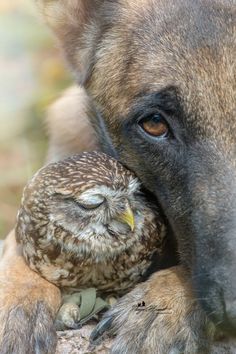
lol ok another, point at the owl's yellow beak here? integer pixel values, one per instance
(127, 217)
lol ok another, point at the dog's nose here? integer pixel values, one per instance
(226, 318)
(219, 302)
(230, 316)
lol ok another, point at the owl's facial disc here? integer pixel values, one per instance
(103, 221)
(113, 206)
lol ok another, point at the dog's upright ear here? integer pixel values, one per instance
(75, 24)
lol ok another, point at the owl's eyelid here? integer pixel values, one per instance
(89, 205)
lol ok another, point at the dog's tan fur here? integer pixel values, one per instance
(72, 135)
(115, 69)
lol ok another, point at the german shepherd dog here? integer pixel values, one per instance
(161, 82)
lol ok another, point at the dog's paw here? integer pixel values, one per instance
(159, 316)
(27, 330)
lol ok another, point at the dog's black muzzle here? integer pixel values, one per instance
(201, 207)
(214, 277)
(212, 230)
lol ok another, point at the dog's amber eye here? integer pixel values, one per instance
(155, 126)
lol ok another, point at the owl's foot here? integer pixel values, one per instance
(79, 308)
(68, 316)
(159, 316)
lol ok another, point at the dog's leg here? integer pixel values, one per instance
(28, 306)
(28, 302)
(159, 316)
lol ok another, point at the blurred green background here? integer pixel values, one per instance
(32, 75)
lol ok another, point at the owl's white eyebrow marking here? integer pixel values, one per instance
(132, 187)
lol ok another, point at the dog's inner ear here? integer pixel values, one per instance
(69, 20)
(60, 13)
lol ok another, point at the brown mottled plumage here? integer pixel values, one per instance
(73, 230)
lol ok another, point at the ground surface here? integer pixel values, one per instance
(77, 342)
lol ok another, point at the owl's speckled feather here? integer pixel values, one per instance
(71, 231)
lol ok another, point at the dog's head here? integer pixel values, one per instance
(162, 75)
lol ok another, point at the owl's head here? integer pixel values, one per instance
(92, 203)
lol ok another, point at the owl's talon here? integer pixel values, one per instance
(68, 317)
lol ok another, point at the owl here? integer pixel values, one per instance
(85, 222)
